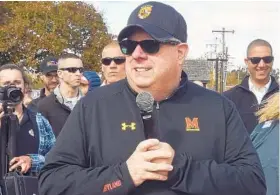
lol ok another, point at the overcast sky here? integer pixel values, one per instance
(249, 20)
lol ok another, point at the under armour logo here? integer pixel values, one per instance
(132, 126)
(31, 132)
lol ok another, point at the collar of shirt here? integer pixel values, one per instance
(259, 91)
(253, 87)
(61, 99)
(103, 83)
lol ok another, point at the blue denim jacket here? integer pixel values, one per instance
(265, 138)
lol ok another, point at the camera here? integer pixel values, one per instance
(11, 94)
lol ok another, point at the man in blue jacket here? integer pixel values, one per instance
(258, 86)
(201, 144)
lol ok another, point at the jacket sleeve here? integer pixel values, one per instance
(47, 140)
(46, 134)
(67, 168)
(37, 162)
(240, 173)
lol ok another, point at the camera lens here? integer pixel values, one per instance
(14, 94)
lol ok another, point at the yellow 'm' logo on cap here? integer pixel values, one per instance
(145, 11)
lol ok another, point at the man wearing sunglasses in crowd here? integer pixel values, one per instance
(200, 144)
(57, 106)
(48, 75)
(257, 86)
(113, 61)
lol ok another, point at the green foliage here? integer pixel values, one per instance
(31, 30)
(35, 81)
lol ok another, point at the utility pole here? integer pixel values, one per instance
(213, 47)
(213, 50)
(217, 60)
(224, 56)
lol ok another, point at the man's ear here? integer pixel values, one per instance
(41, 76)
(183, 50)
(246, 61)
(59, 74)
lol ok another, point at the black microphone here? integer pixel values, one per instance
(145, 102)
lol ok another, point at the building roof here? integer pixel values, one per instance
(197, 70)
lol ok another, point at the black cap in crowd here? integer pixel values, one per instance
(49, 64)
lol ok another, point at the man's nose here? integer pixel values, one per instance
(113, 65)
(138, 53)
(78, 72)
(261, 64)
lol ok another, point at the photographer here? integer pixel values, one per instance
(35, 136)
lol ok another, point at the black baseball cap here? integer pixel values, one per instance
(162, 22)
(49, 64)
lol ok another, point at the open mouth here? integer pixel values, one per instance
(142, 69)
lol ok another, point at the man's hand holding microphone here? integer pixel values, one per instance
(151, 160)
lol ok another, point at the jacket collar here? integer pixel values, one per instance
(42, 93)
(245, 84)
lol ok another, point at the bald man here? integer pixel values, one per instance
(113, 61)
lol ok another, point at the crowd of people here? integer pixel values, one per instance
(205, 143)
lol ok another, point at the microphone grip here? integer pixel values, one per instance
(149, 126)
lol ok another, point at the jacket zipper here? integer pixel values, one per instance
(157, 122)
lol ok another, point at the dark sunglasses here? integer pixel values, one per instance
(266, 59)
(117, 60)
(73, 69)
(148, 46)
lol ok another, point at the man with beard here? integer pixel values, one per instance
(48, 74)
(57, 106)
(35, 137)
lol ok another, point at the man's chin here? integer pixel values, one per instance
(113, 79)
(262, 77)
(143, 84)
(51, 88)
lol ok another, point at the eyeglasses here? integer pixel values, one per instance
(149, 46)
(73, 69)
(51, 75)
(266, 59)
(117, 60)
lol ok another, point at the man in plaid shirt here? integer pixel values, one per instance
(35, 136)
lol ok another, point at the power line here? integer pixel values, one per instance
(224, 55)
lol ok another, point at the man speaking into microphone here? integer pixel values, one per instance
(153, 133)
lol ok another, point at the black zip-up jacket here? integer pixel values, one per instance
(56, 112)
(214, 154)
(247, 103)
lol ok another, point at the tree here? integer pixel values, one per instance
(4, 58)
(33, 30)
(236, 76)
